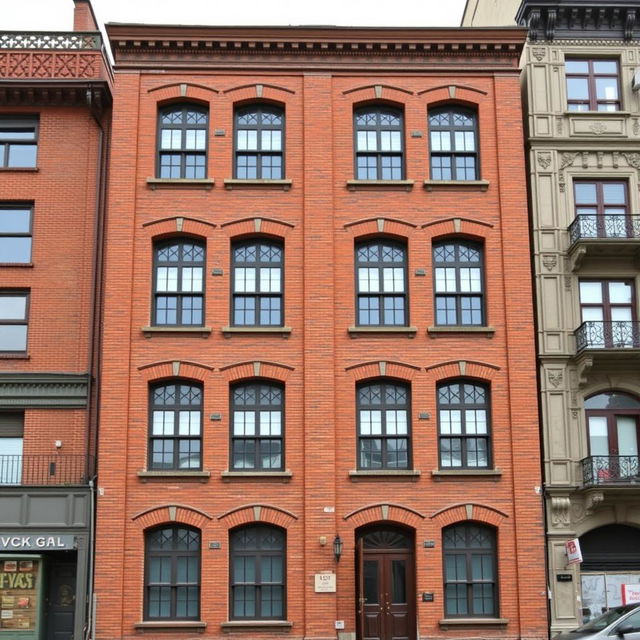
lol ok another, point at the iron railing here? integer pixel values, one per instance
(609, 226)
(50, 40)
(612, 334)
(38, 470)
(605, 470)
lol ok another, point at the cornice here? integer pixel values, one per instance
(43, 390)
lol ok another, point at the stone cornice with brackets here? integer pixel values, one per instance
(43, 390)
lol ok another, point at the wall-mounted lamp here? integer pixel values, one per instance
(337, 548)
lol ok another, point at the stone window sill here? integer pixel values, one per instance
(171, 625)
(443, 330)
(399, 475)
(180, 183)
(598, 114)
(262, 476)
(474, 185)
(16, 264)
(228, 331)
(472, 622)
(440, 474)
(23, 169)
(14, 356)
(400, 185)
(231, 625)
(201, 476)
(149, 331)
(235, 183)
(409, 332)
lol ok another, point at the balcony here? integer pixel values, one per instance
(617, 335)
(611, 471)
(46, 470)
(602, 235)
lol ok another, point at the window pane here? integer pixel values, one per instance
(605, 66)
(591, 292)
(13, 307)
(14, 221)
(606, 88)
(585, 193)
(578, 88)
(15, 250)
(620, 293)
(13, 337)
(22, 155)
(577, 66)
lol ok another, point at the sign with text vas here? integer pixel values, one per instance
(19, 594)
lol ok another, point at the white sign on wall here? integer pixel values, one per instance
(572, 547)
(630, 593)
(325, 583)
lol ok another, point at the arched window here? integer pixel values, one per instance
(459, 283)
(453, 139)
(182, 141)
(257, 283)
(257, 432)
(381, 286)
(379, 153)
(613, 421)
(470, 571)
(178, 297)
(257, 567)
(172, 573)
(463, 425)
(175, 426)
(259, 142)
(384, 428)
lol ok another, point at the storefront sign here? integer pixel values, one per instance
(630, 593)
(574, 555)
(13, 542)
(325, 583)
(18, 594)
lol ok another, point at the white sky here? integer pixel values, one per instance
(57, 15)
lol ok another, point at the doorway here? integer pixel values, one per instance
(61, 600)
(385, 597)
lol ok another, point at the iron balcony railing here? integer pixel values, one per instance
(610, 470)
(39, 470)
(608, 226)
(615, 334)
(69, 40)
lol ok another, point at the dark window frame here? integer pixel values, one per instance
(21, 206)
(13, 293)
(592, 102)
(458, 294)
(257, 295)
(453, 153)
(610, 415)
(258, 554)
(260, 108)
(380, 265)
(464, 437)
(176, 437)
(255, 409)
(173, 554)
(384, 437)
(378, 128)
(183, 151)
(18, 123)
(179, 294)
(467, 551)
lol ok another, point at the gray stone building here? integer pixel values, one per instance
(581, 96)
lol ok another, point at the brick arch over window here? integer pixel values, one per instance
(257, 91)
(383, 92)
(461, 512)
(463, 369)
(381, 226)
(257, 226)
(175, 369)
(256, 369)
(384, 512)
(455, 94)
(183, 91)
(468, 227)
(384, 369)
(250, 513)
(177, 225)
(172, 513)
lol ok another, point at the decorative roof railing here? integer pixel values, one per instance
(75, 40)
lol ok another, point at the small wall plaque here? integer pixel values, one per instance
(427, 596)
(420, 272)
(215, 545)
(217, 272)
(424, 415)
(215, 416)
(219, 132)
(429, 544)
(564, 577)
(416, 134)
(325, 582)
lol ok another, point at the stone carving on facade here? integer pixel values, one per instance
(544, 160)
(577, 512)
(538, 53)
(636, 126)
(51, 64)
(566, 160)
(559, 126)
(574, 413)
(549, 261)
(592, 501)
(555, 377)
(560, 511)
(598, 128)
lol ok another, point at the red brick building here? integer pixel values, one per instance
(318, 411)
(54, 127)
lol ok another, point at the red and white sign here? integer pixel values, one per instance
(572, 547)
(630, 593)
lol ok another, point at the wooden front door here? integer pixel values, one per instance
(386, 585)
(61, 601)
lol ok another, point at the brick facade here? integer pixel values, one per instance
(318, 76)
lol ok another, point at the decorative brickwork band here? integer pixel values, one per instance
(33, 40)
(389, 369)
(464, 368)
(178, 224)
(258, 513)
(387, 226)
(457, 226)
(265, 226)
(256, 369)
(384, 511)
(48, 65)
(468, 511)
(171, 513)
(174, 369)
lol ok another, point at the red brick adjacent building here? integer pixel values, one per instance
(318, 406)
(55, 100)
